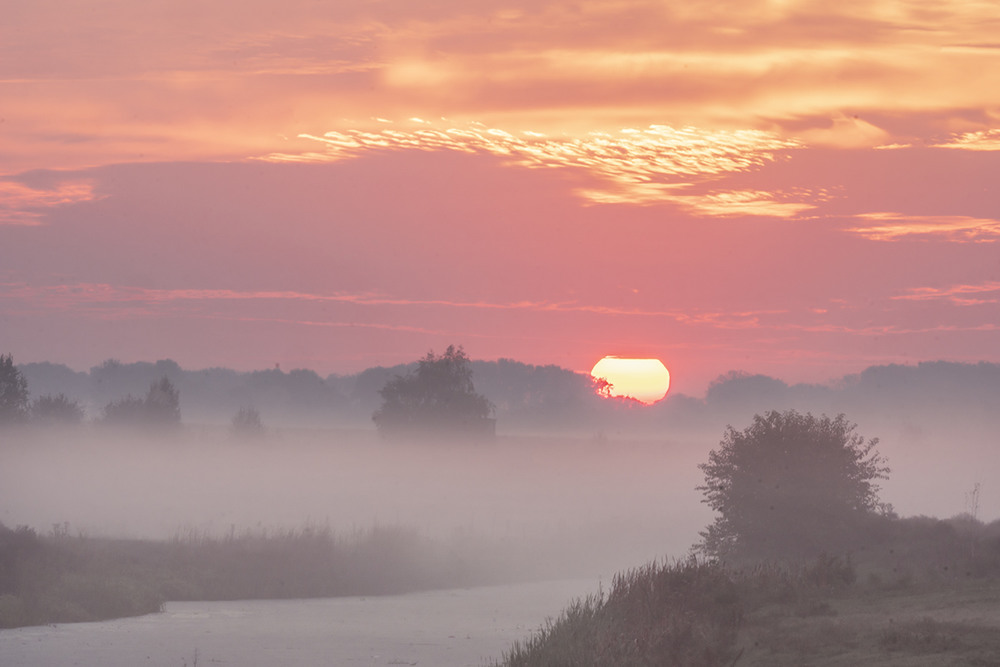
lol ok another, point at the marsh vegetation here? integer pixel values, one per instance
(59, 577)
(698, 614)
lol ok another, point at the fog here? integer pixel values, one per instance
(566, 507)
(558, 505)
(936, 462)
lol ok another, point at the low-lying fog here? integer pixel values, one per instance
(579, 506)
(597, 506)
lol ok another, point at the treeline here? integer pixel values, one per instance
(525, 396)
(159, 408)
(528, 397)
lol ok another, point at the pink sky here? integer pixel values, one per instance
(800, 189)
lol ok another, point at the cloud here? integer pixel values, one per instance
(22, 204)
(983, 140)
(772, 204)
(950, 228)
(116, 300)
(959, 295)
(228, 80)
(633, 166)
(846, 132)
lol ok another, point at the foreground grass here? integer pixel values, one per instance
(953, 623)
(685, 614)
(703, 614)
(61, 578)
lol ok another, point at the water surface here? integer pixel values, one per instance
(442, 628)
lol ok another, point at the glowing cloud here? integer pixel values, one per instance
(954, 228)
(960, 295)
(984, 140)
(24, 205)
(635, 166)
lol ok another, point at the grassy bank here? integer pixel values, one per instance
(924, 592)
(59, 577)
(704, 615)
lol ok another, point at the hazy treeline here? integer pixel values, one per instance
(532, 398)
(523, 394)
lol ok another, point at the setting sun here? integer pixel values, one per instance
(645, 380)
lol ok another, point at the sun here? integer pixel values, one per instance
(645, 380)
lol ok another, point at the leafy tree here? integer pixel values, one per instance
(791, 486)
(247, 423)
(437, 398)
(13, 392)
(128, 411)
(163, 404)
(58, 409)
(159, 409)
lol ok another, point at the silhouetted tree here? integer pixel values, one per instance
(128, 411)
(13, 392)
(247, 423)
(438, 398)
(790, 486)
(163, 404)
(159, 409)
(58, 409)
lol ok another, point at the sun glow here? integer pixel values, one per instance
(645, 380)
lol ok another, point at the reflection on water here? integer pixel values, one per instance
(442, 628)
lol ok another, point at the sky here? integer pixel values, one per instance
(795, 188)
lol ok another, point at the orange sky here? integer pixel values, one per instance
(795, 188)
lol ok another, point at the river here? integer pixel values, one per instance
(451, 628)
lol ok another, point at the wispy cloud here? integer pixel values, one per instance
(983, 140)
(961, 295)
(634, 165)
(953, 228)
(291, 67)
(24, 205)
(96, 296)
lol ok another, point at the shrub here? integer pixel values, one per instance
(160, 409)
(52, 410)
(247, 423)
(681, 614)
(790, 486)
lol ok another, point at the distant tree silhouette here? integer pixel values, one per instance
(790, 486)
(163, 404)
(13, 392)
(58, 409)
(438, 398)
(159, 409)
(247, 423)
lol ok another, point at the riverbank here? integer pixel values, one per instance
(449, 628)
(704, 615)
(61, 578)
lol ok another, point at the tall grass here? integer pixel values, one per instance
(696, 613)
(660, 614)
(65, 578)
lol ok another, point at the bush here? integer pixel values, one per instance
(439, 399)
(791, 487)
(247, 424)
(160, 409)
(52, 410)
